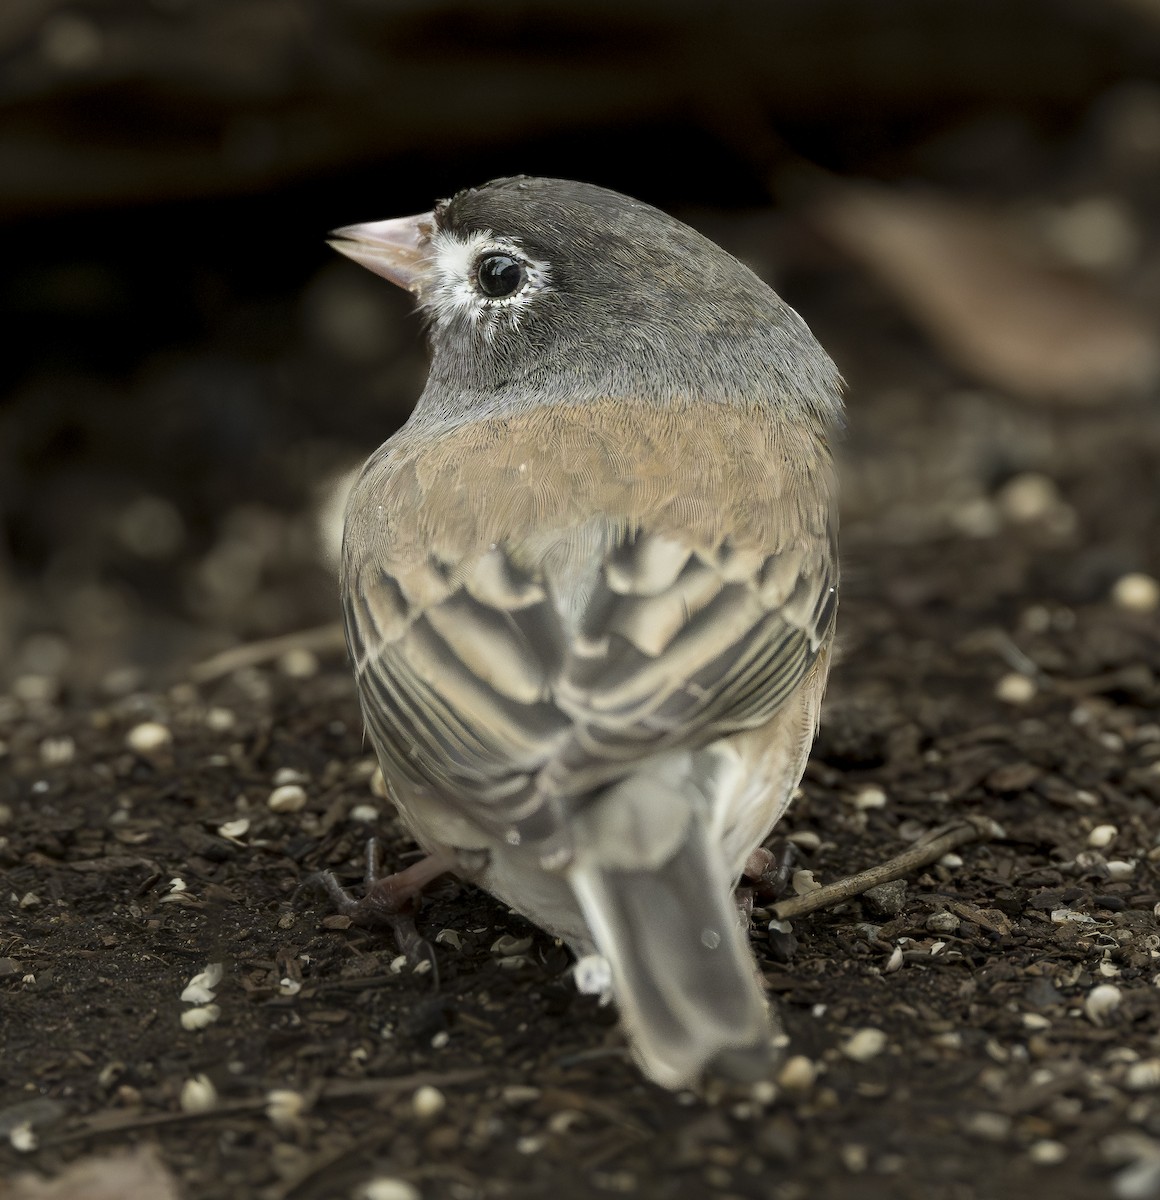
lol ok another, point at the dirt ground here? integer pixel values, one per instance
(987, 673)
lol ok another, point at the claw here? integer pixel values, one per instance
(390, 901)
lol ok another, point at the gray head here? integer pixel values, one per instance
(545, 290)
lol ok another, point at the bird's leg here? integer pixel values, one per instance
(391, 900)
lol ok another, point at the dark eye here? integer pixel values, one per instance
(499, 275)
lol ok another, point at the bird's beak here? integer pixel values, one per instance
(397, 250)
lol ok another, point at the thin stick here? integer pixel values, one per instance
(921, 854)
(324, 639)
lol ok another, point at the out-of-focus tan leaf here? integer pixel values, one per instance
(994, 308)
(139, 1174)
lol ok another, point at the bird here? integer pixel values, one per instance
(589, 591)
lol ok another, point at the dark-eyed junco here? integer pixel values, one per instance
(590, 589)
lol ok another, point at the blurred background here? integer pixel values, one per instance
(962, 197)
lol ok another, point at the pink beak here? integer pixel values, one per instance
(397, 249)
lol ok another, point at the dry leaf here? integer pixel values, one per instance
(996, 310)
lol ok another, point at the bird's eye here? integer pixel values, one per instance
(499, 275)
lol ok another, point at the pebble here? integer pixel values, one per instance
(428, 1102)
(1102, 836)
(942, 922)
(289, 798)
(864, 1045)
(148, 738)
(886, 899)
(1101, 1002)
(1136, 592)
(1015, 689)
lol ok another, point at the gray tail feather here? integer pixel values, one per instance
(683, 975)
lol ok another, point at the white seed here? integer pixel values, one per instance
(991, 1126)
(519, 1094)
(806, 839)
(1035, 1022)
(220, 720)
(428, 1102)
(284, 1108)
(1136, 592)
(22, 1137)
(508, 946)
(798, 1074)
(148, 738)
(1120, 868)
(864, 1045)
(1067, 916)
(804, 882)
(288, 986)
(1108, 969)
(299, 663)
(854, 1158)
(202, 1017)
(1101, 1002)
(385, 1188)
(198, 1095)
(1143, 1076)
(870, 796)
(232, 830)
(200, 989)
(440, 1040)
(366, 813)
(894, 963)
(1046, 1153)
(1015, 689)
(951, 861)
(289, 798)
(30, 900)
(1102, 836)
(56, 751)
(285, 775)
(1029, 497)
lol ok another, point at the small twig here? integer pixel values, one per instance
(324, 639)
(922, 854)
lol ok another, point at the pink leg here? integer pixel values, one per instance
(391, 900)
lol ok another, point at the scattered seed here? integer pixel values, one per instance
(806, 839)
(198, 1095)
(508, 946)
(233, 830)
(387, 1188)
(22, 1138)
(1136, 592)
(1143, 1076)
(1102, 836)
(804, 882)
(428, 1102)
(56, 751)
(870, 796)
(1101, 1002)
(1046, 1153)
(440, 1040)
(894, 962)
(1015, 689)
(798, 1074)
(148, 738)
(864, 1045)
(298, 663)
(202, 1017)
(366, 813)
(990, 1126)
(200, 989)
(1119, 868)
(1036, 1022)
(284, 1108)
(289, 798)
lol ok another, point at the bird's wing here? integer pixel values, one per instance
(516, 679)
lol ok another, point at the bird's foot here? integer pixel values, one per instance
(390, 901)
(768, 872)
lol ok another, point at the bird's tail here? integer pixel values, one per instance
(656, 894)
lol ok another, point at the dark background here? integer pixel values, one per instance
(962, 197)
(187, 368)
